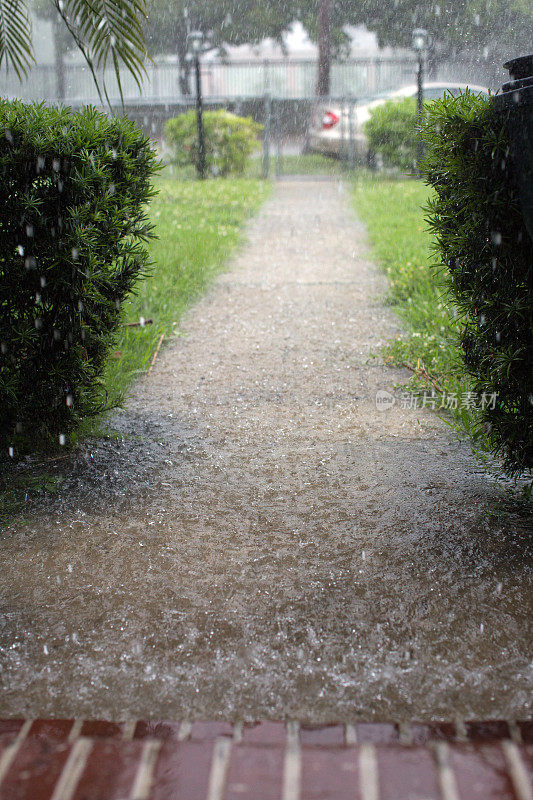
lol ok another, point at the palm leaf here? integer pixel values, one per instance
(16, 48)
(108, 33)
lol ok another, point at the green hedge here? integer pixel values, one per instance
(73, 235)
(229, 140)
(392, 132)
(488, 255)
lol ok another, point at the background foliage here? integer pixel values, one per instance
(392, 132)
(107, 32)
(74, 189)
(229, 140)
(482, 242)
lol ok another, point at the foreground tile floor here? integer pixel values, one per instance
(98, 760)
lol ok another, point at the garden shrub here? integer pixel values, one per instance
(229, 140)
(73, 237)
(392, 132)
(482, 242)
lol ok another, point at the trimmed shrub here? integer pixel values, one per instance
(229, 140)
(73, 237)
(392, 132)
(488, 255)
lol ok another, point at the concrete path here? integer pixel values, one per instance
(262, 541)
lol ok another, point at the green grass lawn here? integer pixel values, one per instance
(307, 164)
(294, 164)
(198, 225)
(392, 212)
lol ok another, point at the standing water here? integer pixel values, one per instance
(261, 540)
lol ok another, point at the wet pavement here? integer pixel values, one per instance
(259, 540)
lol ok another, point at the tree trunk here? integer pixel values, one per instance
(324, 48)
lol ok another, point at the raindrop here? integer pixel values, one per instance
(56, 165)
(29, 231)
(62, 439)
(45, 649)
(498, 336)
(40, 163)
(75, 253)
(3, 347)
(111, 190)
(20, 250)
(29, 262)
(11, 451)
(142, 322)
(80, 305)
(38, 323)
(499, 588)
(9, 135)
(43, 281)
(69, 400)
(496, 238)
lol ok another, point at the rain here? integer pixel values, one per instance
(292, 496)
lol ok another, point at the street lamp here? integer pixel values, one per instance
(420, 43)
(195, 41)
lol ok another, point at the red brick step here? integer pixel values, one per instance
(168, 760)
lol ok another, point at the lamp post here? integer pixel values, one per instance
(420, 43)
(195, 40)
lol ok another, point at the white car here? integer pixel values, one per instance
(330, 129)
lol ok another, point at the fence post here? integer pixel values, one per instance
(351, 134)
(266, 135)
(277, 135)
(344, 150)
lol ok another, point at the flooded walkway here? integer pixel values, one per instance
(261, 541)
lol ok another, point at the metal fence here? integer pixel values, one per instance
(287, 78)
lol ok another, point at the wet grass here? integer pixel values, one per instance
(391, 208)
(294, 164)
(199, 225)
(308, 164)
(19, 487)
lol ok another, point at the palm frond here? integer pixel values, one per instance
(108, 33)
(16, 48)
